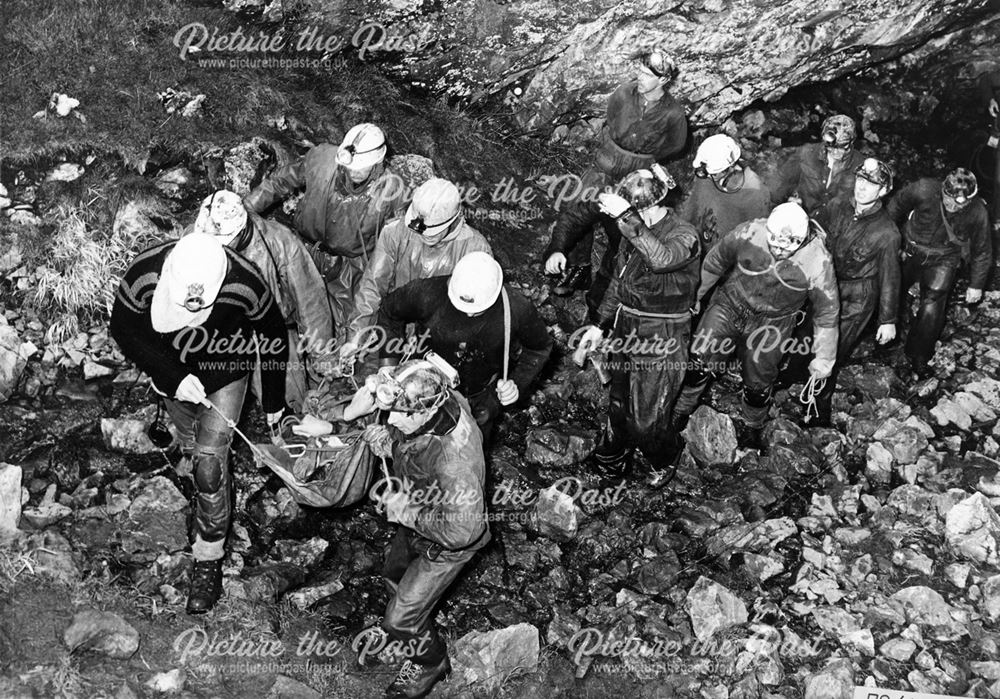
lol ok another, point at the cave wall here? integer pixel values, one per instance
(563, 59)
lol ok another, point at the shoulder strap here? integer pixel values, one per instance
(506, 331)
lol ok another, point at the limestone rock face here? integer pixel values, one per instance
(568, 57)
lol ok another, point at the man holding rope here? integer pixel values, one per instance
(186, 313)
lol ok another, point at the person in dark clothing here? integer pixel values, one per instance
(774, 266)
(293, 278)
(725, 192)
(989, 90)
(864, 243)
(462, 318)
(647, 311)
(817, 172)
(944, 225)
(436, 497)
(644, 125)
(186, 313)
(349, 194)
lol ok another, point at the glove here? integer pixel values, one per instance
(347, 351)
(378, 438)
(885, 333)
(612, 204)
(556, 264)
(820, 368)
(363, 402)
(191, 390)
(973, 295)
(312, 426)
(590, 339)
(507, 392)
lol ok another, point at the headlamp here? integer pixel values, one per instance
(657, 64)
(419, 226)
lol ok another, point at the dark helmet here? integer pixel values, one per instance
(839, 131)
(645, 188)
(658, 62)
(960, 185)
(875, 171)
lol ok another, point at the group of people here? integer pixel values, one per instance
(380, 248)
(784, 277)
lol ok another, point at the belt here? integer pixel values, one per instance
(683, 315)
(858, 279)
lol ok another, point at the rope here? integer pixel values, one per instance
(506, 332)
(807, 396)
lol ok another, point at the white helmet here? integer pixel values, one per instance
(363, 147)
(475, 283)
(716, 153)
(787, 229)
(190, 280)
(223, 215)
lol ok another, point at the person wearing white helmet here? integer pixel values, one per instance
(945, 226)
(293, 278)
(815, 173)
(644, 124)
(185, 313)
(467, 318)
(349, 194)
(427, 241)
(646, 313)
(725, 192)
(774, 266)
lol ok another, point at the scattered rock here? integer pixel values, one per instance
(835, 621)
(658, 575)
(308, 596)
(286, 688)
(62, 104)
(10, 499)
(492, 656)
(268, 582)
(14, 356)
(101, 632)
(158, 494)
(879, 465)
(93, 370)
(899, 649)
(53, 556)
(304, 554)
(948, 412)
(167, 682)
(713, 608)
(990, 602)
(711, 437)
(922, 605)
(149, 534)
(126, 435)
(173, 182)
(558, 515)
(48, 511)
(972, 529)
(67, 172)
(558, 445)
(835, 681)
